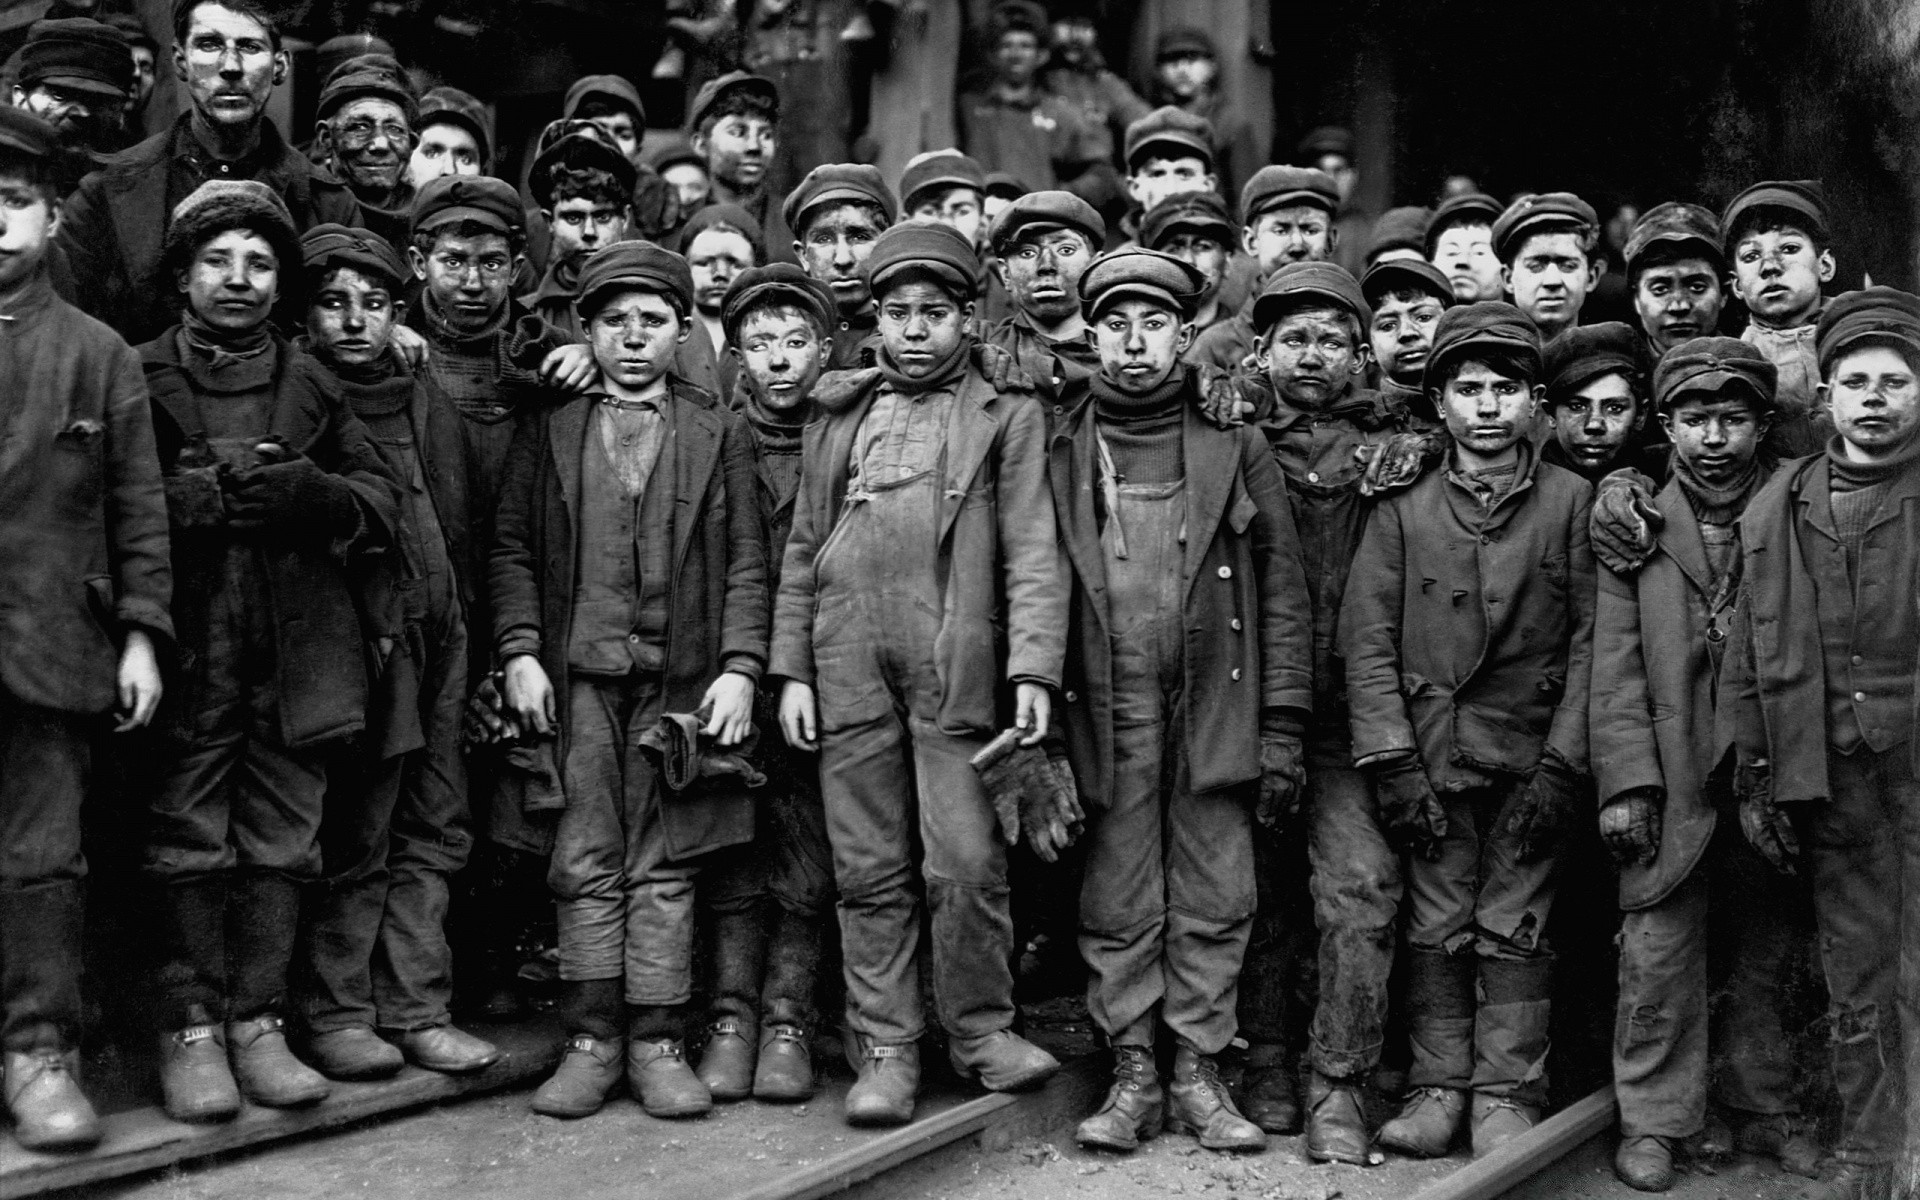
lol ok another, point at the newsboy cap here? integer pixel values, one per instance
(1008, 15)
(724, 216)
(572, 143)
(1183, 41)
(1195, 212)
(1879, 313)
(936, 171)
(1403, 228)
(1676, 224)
(633, 266)
(375, 75)
(776, 283)
(1529, 213)
(325, 247)
(1470, 208)
(1803, 201)
(606, 87)
(713, 91)
(1582, 354)
(451, 106)
(1169, 132)
(1301, 283)
(80, 54)
(1282, 187)
(1040, 212)
(939, 250)
(1708, 364)
(481, 198)
(1396, 274)
(1487, 325)
(1143, 275)
(28, 135)
(330, 54)
(839, 182)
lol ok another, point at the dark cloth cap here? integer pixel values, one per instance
(924, 246)
(367, 75)
(1328, 139)
(1708, 364)
(731, 216)
(1282, 187)
(1018, 14)
(842, 182)
(133, 29)
(28, 135)
(220, 205)
(1881, 312)
(1530, 211)
(1199, 212)
(633, 266)
(451, 106)
(1397, 273)
(715, 90)
(1184, 41)
(78, 53)
(578, 145)
(492, 202)
(1400, 229)
(1582, 354)
(776, 283)
(1007, 186)
(1140, 274)
(1487, 325)
(938, 170)
(330, 54)
(1042, 211)
(606, 87)
(1174, 132)
(325, 247)
(1309, 283)
(665, 149)
(1473, 208)
(1678, 223)
(1806, 199)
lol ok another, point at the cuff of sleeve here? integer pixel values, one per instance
(135, 612)
(522, 639)
(1387, 761)
(1283, 722)
(743, 664)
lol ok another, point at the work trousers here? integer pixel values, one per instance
(1357, 888)
(44, 762)
(1478, 897)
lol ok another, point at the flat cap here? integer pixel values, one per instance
(633, 266)
(666, 149)
(939, 250)
(80, 54)
(133, 29)
(936, 171)
(1169, 132)
(1527, 214)
(26, 134)
(220, 205)
(1805, 199)
(839, 182)
(1877, 312)
(776, 283)
(1040, 212)
(572, 144)
(325, 247)
(1184, 41)
(482, 198)
(451, 106)
(1470, 208)
(1005, 185)
(1141, 275)
(606, 87)
(1403, 228)
(713, 91)
(1327, 139)
(1018, 14)
(1195, 212)
(368, 75)
(1396, 274)
(723, 216)
(328, 55)
(1487, 325)
(1309, 283)
(1584, 353)
(1708, 364)
(1676, 224)
(1283, 187)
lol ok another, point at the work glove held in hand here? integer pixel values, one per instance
(1283, 777)
(294, 497)
(1766, 828)
(1624, 522)
(1630, 826)
(1387, 466)
(1543, 811)
(1411, 815)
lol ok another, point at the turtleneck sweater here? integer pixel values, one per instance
(1143, 433)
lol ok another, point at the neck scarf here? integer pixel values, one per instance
(778, 432)
(1717, 504)
(443, 331)
(1850, 476)
(222, 347)
(948, 371)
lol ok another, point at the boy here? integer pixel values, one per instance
(1407, 296)
(719, 242)
(1597, 404)
(1460, 243)
(923, 526)
(735, 124)
(86, 597)
(452, 137)
(613, 104)
(837, 213)
(1286, 216)
(1042, 245)
(582, 187)
(1186, 72)
(629, 582)
(1468, 630)
(1167, 902)
(1545, 244)
(1689, 884)
(1194, 228)
(949, 187)
(1017, 126)
(1168, 151)
(1674, 267)
(1777, 244)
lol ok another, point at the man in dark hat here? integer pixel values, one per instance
(451, 137)
(837, 214)
(1286, 216)
(1710, 930)
(1674, 267)
(1469, 713)
(228, 55)
(1194, 228)
(734, 122)
(1598, 406)
(1778, 242)
(1017, 126)
(1460, 242)
(1186, 73)
(629, 575)
(363, 134)
(1042, 244)
(1077, 73)
(893, 671)
(1546, 244)
(85, 597)
(145, 53)
(77, 74)
(1406, 297)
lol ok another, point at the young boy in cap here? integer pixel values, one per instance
(363, 134)
(1194, 228)
(735, 123)
(86, 598)
(1399, 233)
(1186, 73)
(76, 73)
(450, 138)
(1077, 73)
(1168, 898)
(398, 825)
(274, 491)
(1406, 297)
(1777, 244)
(837, 213)
(1546, 244)
(949, 187)
(1469, 711)
(1286, 216)
(1827, 626)
(719, 242)
(612, 103)
(1690, 885)
(1460, 243)
(629, 574)
(1168, 151)
(1019, 127)
(923, 526)
(1042, 245)
(1675, 266)
(582, 188)
(1597, 404)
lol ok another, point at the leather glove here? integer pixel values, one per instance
(1001, 368)
(1282, 780)
(1767, 828)
(1395, 463)
(486, 722)
(1220, 399)
(295, 496)
(1414, 820)
(1054, 824)
(1543, 811)
(1624, 522)
(195, 499)
(1630, 826)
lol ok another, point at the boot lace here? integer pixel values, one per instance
(1206, 1077)
(1132, 1068)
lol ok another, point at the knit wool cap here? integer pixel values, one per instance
(1399, 273)
(1802, 201)
(577, 145)
(1582, 354)
(377, 75)
(633, 266)
(1285, 187)
(220, 205)
(326, 247)
(1043, 212)
(606, 87)
(1487, 325)
(1194, 212)
(1184, 41)
(1309, 283)
(1677, 224)
(1143, 275)
(482, 198)
(1399, 229)
(730, 216)
(1882, 313)
(1473, 208)
(1169, 132)
(80, 54)
(776, 283)
(28, 135)
(451, 106)
(1527, 214)
(330, 54)
(715, 90)
(841, 182)
(936, 171)
(923, 246)
(1709, 364)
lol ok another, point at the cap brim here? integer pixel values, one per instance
(82, 83)
(939, 183)
(1710, 381)
(1137, 291)
(1184, 146)
(1296, 199)
(461, 212)
(1264, 305)
(836, 194)
(453, 116)
(1590, 369)
(1711, 247)
(1223, 231)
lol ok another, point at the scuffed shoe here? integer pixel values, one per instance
(1645, 1163)
(1429, 1123)
(448, 1050)
(356, 1052)
(585, 1077)
(50, 1112)
(726, 1065)
(1135, 1106)
(1850, 1181)
(1714, 1142)
(1784, 1137)
(1336, 1122)
(659, 1077)
(266, 1070)
(888, 1081)
(1198, 1104)
(784, 1073)
(1498, 1120)
(1267, 1093)
(196, 1079)
(1002, 1061)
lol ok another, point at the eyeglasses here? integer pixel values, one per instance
(361, 132)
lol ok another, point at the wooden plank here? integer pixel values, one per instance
(1528, 1154)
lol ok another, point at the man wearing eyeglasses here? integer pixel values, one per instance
(364, 135)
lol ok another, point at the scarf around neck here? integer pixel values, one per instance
(442, 330)
(221, 347)
(1717, 504)
(945, 373)
(1124, 408)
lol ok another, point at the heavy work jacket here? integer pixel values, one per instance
(1651, 718)
(1249, 643)
(718, 617)
(1004, 588)
(83, 517)
(1468, 633)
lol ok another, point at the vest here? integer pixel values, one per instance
(624, 566)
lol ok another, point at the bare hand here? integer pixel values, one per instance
(530, 696)
(799, 716)
(486, 713)
(411, 345)
(1033, 711)
(139, 681)
(570, 368)
(731, 696)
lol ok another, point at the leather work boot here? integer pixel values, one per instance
(1336, 1122)
(1498, 1120)
(448, 1050)
(1714, 1142)
(49, 1110)
(1850, 1181)
(1002, 1061)
(195, 1077)
(889, 1077)
(1135, 1106)
(1267, 1092)
(1782, 1136)
(659, 1077)
(266, 1070)
(1645, 1163)
(581, 1083)
(1428, 1123)
(726, 1065)
(1198, 1104)
(356, 1052)
(784, 1074)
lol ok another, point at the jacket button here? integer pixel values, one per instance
(1857, 660)
(1313, 477)
(1859, 697)
(1234, 675)
(1072, 696)
(1234, 624)
(1485, 539)
(633, 637)
(1226, 572)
